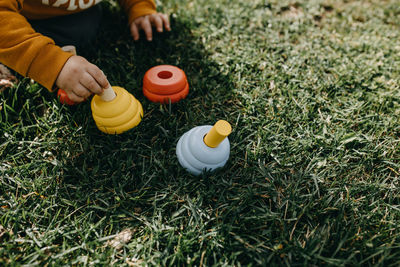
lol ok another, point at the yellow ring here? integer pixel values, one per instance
(122, 118)
(119, 115)
(110, 109)
(125, 127)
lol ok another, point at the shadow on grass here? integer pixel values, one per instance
(149, 149)
(135, 177)
(131, 177)
(134, 180)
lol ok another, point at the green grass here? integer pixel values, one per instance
(311, 89)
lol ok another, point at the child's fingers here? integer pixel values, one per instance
(75, 98)
(81, 90)
(146, 26)
(158, 23)
(165, 19)
(99, 78)
(90, 83)
(134, 31)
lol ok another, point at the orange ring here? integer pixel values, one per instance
(165, 99)
(165, 82)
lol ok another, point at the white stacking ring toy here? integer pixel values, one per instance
(204, 148)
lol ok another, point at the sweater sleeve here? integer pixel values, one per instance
(26, 51)
(137, 8)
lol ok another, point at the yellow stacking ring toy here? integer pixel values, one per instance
(116, 111)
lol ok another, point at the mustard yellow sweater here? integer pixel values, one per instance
(34, 55)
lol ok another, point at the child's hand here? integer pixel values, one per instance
(80, 78)
(145, 23)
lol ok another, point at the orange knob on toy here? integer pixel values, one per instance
(63, 97)
(165, 83)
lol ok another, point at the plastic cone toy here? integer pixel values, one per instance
(204, 148)
(165, 84)
(116, 111)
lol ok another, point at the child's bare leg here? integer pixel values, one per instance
(6, 78)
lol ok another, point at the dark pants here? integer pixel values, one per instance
(78, 29)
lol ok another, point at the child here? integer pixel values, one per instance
(33, 31)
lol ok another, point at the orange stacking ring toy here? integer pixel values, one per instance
(165, 83)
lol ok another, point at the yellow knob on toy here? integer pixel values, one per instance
(116, 111)
(217, 134)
